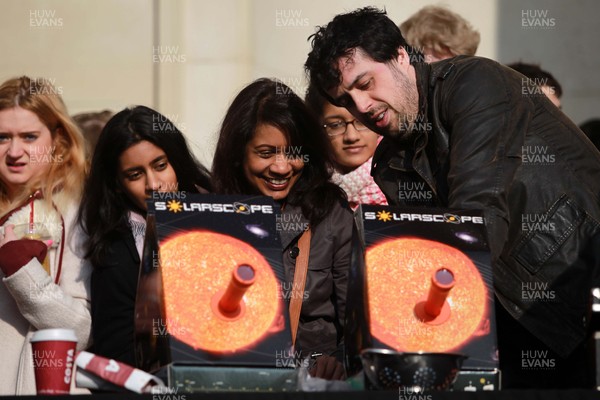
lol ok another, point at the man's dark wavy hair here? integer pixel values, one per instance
(367, 28)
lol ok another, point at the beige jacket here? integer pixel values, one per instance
(30, 300)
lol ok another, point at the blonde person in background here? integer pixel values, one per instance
(440, 33)
(352, 146)
(45, 284)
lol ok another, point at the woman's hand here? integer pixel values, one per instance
(328, 367)
(7, 234)
(15, 253)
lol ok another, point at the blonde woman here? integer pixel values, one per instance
(45, 284)
(440, 33)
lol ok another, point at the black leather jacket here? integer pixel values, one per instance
(489, 140)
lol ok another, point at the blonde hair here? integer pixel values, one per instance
(66, 176)
(441, 30)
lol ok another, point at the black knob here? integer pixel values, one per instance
(294, 251)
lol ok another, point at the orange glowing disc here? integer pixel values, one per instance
(399, 277)
(196, 267)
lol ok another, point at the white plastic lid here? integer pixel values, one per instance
(64, 335)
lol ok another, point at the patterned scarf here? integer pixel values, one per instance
(360, 186)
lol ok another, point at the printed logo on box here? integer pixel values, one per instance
(176, 206)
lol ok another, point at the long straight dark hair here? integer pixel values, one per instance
(271, 102)
(105, 207)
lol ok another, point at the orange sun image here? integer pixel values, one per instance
(197, 267)
(399, 274)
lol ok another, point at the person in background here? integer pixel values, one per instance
(45, 282)
(591, 128)
(133, 158)
(547, 84)
(271, 144)
(439, 33)
(461, 131)
(91, 124)
(352, 146)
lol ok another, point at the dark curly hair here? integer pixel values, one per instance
(367, 28)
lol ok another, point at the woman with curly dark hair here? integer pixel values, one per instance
(138, 152)
(271, 144)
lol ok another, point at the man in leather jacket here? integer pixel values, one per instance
(469, 133)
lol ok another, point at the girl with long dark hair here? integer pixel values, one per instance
(271, 144)
(139, 152)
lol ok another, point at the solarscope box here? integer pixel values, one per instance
(210, 246)
(396, 254)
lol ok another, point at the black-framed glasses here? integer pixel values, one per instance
(339, 126)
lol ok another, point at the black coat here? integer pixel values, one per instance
(114, 285)
(323, 308)
(488, 139)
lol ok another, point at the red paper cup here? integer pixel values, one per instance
(53, 360)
